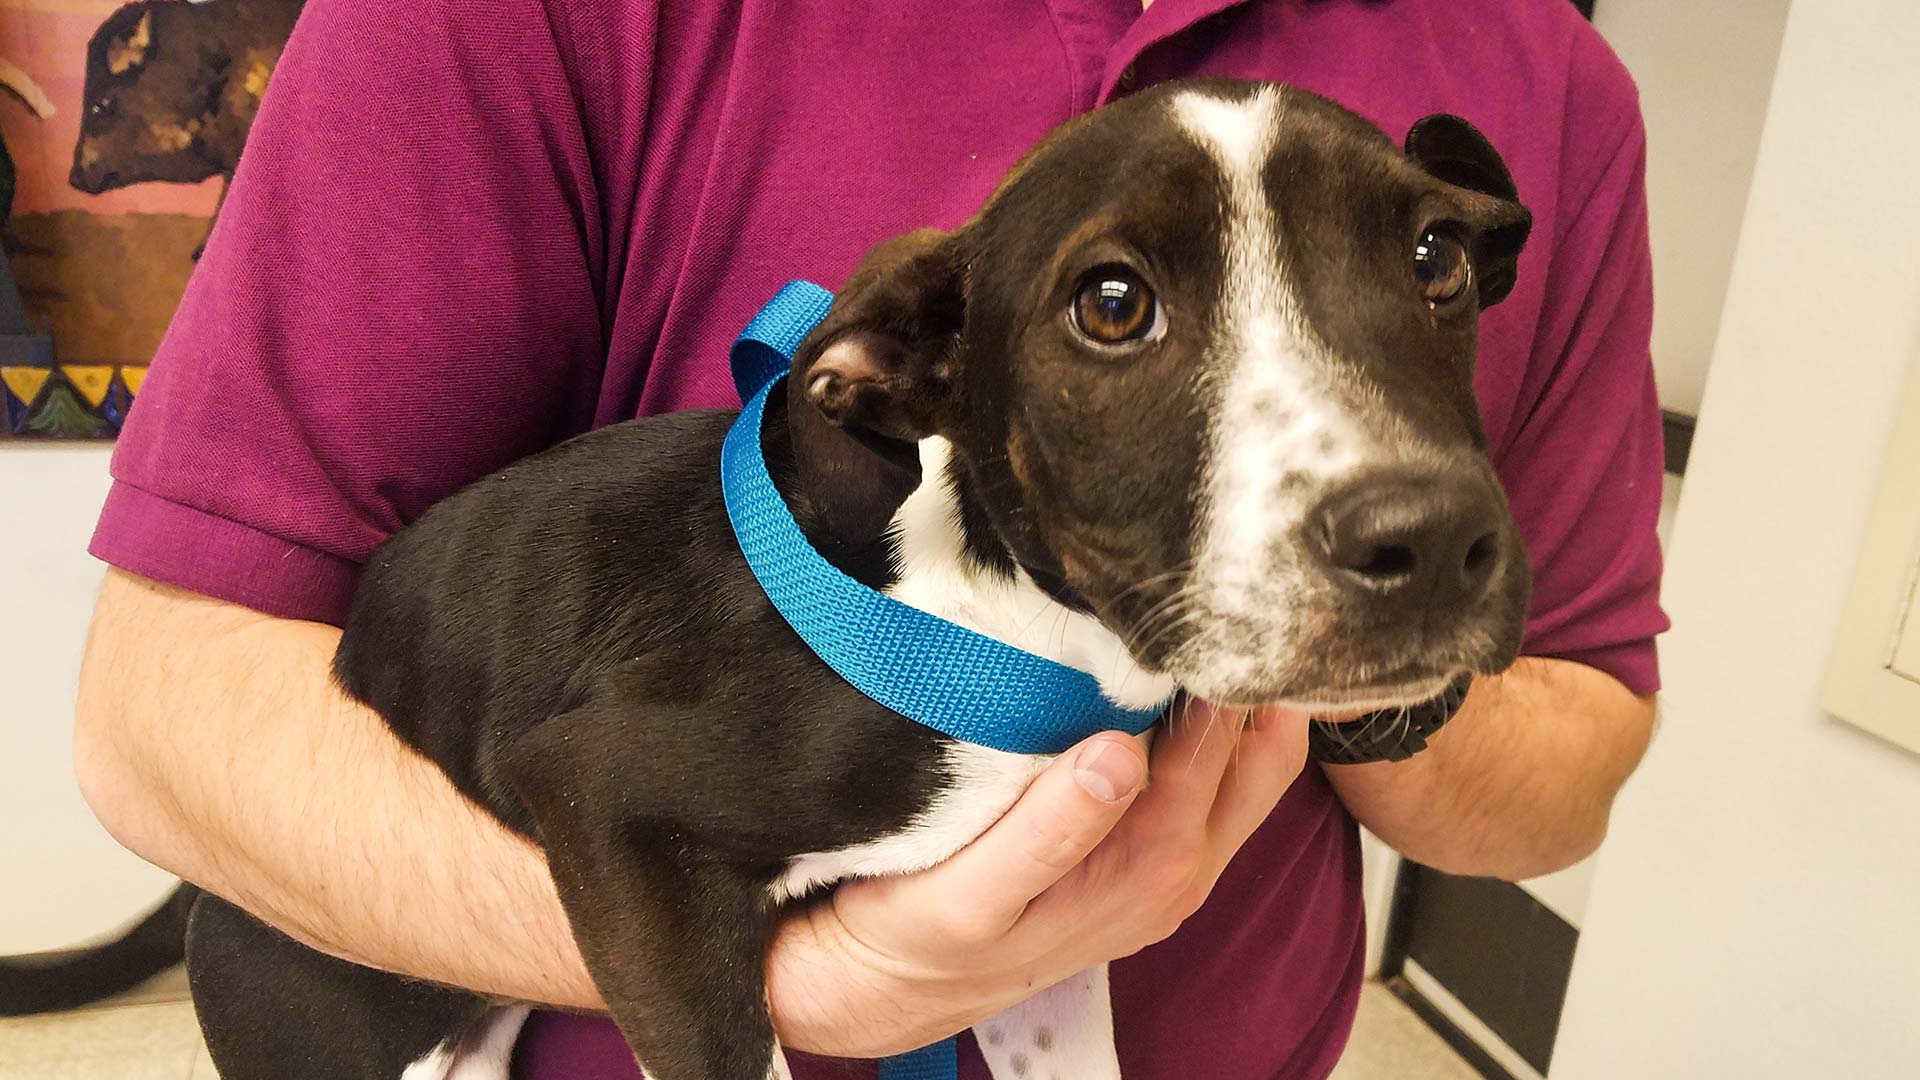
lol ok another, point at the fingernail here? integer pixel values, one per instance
(1107, 772)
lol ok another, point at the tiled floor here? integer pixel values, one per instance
(1390, 1043)
(146, 1034)
(149, 1034)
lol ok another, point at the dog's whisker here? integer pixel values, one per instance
(1172, 609)
(1039, 612)
(1185, 567)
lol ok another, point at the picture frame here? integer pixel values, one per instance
(116, 143)
(1873, 679)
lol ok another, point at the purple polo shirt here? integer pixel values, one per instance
(465, 231)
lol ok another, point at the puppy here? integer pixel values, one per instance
(1193, 393)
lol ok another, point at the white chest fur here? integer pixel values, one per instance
(937, 576)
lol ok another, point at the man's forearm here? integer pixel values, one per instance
(210, 740)
(1520, 783)
(300, 805)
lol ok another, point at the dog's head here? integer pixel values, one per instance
(1205, 360)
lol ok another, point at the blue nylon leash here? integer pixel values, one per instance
(952, 679)
(958, 682)
(941, 1061)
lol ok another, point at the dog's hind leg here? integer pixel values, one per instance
(273, 1009)
(1064, 1031)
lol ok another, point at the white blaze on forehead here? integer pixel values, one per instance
(1272, 413)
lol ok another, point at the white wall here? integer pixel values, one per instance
(1754, 913)
(1704, 68)
(1704, 108)
(1565, 892)
(66, 879)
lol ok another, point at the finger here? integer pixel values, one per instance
(1166, 829)
(1190, 757)
(1271, 753)
(1063, 815)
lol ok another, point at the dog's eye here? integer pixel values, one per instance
(1440, 265)
(1113, 306)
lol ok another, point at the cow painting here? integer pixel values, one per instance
(172, 88)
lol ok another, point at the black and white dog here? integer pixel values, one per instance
(1196, 385)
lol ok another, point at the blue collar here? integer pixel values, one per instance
(952, 679)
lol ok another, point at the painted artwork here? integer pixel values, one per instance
(120, 125)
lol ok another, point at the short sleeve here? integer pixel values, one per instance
(399, 296)
(1583, 460)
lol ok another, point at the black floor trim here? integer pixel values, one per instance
(1678, 429)
(1477, 1059)
(1501, 953)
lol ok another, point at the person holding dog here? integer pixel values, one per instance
(432, 263)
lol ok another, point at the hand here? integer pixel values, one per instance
(1085, 868)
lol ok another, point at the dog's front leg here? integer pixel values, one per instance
(675, 938)
(1064, 1032)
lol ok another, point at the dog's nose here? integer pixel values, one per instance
(1420, 541)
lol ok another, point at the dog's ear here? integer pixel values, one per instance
(880, 363)
(1454, 151)
(871, 380)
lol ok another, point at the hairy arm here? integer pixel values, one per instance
(210, 740)
(1520, 783)
(1523, 780)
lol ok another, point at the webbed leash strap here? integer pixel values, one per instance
(961, 683)
(943, 675)
(941, 1061)
(765, 348)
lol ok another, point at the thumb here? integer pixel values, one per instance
(1063, 816)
